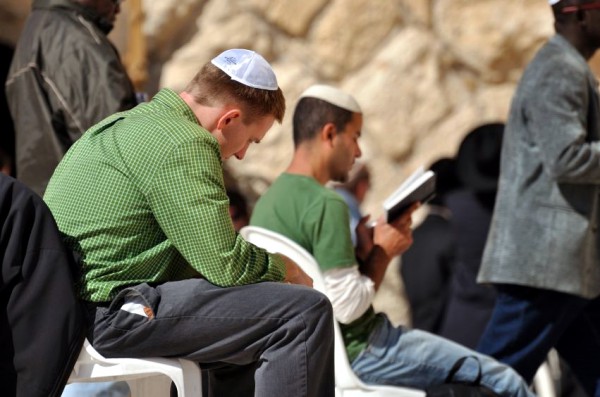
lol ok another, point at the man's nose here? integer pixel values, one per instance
(358, 152)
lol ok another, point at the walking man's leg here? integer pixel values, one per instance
(525, 324)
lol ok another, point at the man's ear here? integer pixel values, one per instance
(227, 117)
(328, 132)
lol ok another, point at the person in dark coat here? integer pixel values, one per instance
(42, 322)
(65, 77)
(469, 304)
(427, 265)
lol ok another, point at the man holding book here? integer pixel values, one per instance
(327, 125)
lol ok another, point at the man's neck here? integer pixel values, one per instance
(205, 115)
(579, 42)
(306, 162)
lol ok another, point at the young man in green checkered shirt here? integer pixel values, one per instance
(141, 196)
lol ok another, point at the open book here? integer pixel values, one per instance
(420, 186)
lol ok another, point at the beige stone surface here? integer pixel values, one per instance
(488, 35)
(339, 40)
(12, 17)
(292, 16)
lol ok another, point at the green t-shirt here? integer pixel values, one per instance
(317, 218)
(141, 196)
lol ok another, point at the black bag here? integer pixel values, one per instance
(451, 388)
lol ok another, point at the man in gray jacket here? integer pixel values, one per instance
(65, 77)
(543, 250)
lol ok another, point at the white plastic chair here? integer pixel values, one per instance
(140, 374)
(347, 384)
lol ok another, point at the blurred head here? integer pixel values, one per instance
(446, 179)
(578, 17)
(245, 112)
(358, 182)
(334, 119)
(478, 158)
(105, 12)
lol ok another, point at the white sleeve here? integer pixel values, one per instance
(350, 292)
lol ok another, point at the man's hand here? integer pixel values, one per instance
(294, 274)
(396, 237)
(364, 239)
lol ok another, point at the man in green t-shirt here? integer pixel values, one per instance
(327, 125)
(141, 197)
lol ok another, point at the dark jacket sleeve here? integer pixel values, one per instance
(42, 322)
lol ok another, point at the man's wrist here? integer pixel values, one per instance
(378, 255)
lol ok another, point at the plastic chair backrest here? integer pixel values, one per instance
(346, 381)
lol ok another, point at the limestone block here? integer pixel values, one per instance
(169, 24)
(400, 93)
(496, 38)
(292, 16)
(416, 12)
(348, 32)
(12, 18)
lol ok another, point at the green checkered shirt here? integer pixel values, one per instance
(141, 196)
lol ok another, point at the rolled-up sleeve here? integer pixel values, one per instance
(350, 293)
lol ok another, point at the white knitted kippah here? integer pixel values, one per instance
(247, 67)
(332, 95)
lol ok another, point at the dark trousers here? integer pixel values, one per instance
(266, 339)
(527, 322)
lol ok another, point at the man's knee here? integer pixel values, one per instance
(315, 298)
(314, 304)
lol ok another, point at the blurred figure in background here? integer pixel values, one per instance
(471, 206)
(65, 76)
(427, 265)
(353, 191)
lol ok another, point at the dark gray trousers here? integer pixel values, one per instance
(281, 333)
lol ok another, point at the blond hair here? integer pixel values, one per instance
(211, 86)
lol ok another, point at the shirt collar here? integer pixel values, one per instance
(171, 99)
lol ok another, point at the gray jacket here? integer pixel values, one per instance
(544, 231)
(65, 77)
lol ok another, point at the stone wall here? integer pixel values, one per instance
(425, 71)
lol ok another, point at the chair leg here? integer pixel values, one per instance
(189, 385)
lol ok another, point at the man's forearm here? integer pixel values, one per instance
(375, 265)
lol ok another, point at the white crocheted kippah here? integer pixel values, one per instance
(247, 67)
